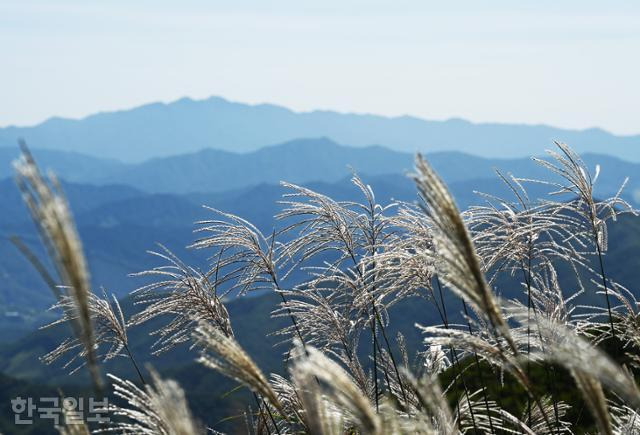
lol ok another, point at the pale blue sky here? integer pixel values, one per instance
(567, 63)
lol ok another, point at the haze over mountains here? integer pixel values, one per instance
(186, 126)
(298, 161)
(140, 177)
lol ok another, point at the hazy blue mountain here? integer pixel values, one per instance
(82, 197)
(321, 160)
(299, 161)
(72, 165)
(184, 126)
(115, 238)
(309, 160)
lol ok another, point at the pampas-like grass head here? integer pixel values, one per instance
(459, 265)
(159, 409)
(339, 387)
(109, 324)
(184, 292)
(223, 353)
(51, 214)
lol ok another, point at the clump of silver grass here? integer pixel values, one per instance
(324, 226)
(328, 320)
(521, 234)
(245, 259)
(405, 262)
(349, 237)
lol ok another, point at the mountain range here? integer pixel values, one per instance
(298, 161)
(186, 126)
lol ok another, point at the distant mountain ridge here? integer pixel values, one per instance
(186, 125)
(299, 161)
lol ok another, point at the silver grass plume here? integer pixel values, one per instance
(435, 360)
(579, 183)
(484, 415)
(547, 296)
(405, 263)
(338, 387)
(324, 226)
(326, 313)
(624, 420)
(319, 415)
(109, 329)
(626, 315)
(223, 354)
(244, 258)
(52, 216)
(591, 368)
(430, 405)
(535, 424)
(328, 320)
(520, 234)
(482, 344)
(341, 230)
(536, 421)
(159, 408)
(460, 267)
(289, 397)
(183, 292)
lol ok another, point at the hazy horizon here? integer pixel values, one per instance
(259, 103)
(499, 62)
